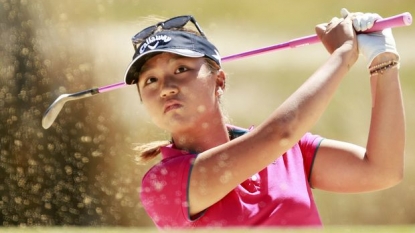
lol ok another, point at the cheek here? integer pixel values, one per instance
(205, 97)
(149, 103)
(154, 113)
(149, 110)
(149, 93)
(203, 91)
(194, 92)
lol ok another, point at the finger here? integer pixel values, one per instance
(357, 23)
(324, 28)
(321, 29)
(370, 22)
(333, 22)
(371, 18)
(361, 22)
(366, 22)
(344, 12)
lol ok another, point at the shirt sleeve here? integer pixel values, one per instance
(164, 191)
(309, 144)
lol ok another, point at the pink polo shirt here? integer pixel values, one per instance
(278, 195)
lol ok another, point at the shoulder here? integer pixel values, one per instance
(310, 140)
(170, 166)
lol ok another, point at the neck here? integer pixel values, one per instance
(202, 138)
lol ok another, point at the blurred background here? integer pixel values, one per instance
(81, 171)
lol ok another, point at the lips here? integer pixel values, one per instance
(171, 105)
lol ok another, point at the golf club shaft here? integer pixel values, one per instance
(404, 19)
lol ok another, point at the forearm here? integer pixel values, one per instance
(386, 141)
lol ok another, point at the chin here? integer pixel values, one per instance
(180, 125)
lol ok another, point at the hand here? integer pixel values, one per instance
(339, 33)
(375, 43)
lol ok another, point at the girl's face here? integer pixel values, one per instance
(179, 93)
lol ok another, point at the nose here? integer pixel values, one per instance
(169, 90)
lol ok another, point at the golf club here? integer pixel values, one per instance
(404, 19)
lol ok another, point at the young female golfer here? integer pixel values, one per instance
(217, 175)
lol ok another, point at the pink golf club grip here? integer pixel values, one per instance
(404, 19)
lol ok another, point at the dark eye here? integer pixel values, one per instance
(150, 80)
(181, 69)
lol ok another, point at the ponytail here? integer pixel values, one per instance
(148, 151)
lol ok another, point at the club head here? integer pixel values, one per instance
(53, 111)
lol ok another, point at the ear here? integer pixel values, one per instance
(221, 79)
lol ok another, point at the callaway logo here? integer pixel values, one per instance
(153, 41)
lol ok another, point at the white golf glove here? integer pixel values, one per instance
(371, 44)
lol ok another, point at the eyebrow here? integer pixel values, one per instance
(144, 68)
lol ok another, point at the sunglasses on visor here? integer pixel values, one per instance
(176, 22)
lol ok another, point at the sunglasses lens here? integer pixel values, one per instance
(143, 34)
(176, 22)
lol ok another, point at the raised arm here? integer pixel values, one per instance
(219, 170)
(343, 167)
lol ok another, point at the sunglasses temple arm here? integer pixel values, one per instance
(198, 28)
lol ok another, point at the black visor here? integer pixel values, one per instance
(177, 42)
